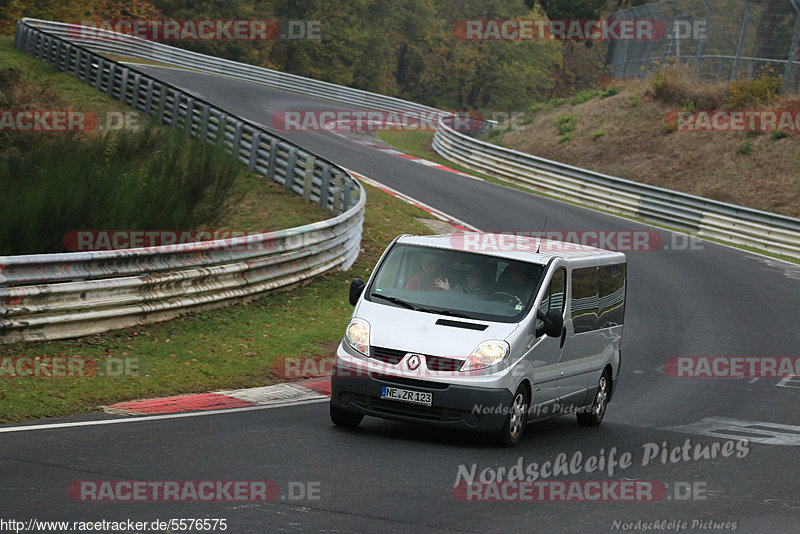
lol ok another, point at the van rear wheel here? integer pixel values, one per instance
(592, 415)
(516, 419)
(344, 418)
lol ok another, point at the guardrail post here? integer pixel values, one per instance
(222, 127)
(237, 140)
(123, 86)
(87, 70)
(189, 117)
(308, 182)
(255, 140)
(273, 155)
(162, 101)
(176, 108)
(204, 124)
(41, 43)
(148, 96)
(338, 180)
(112, 77)
(291, 159)
(98, 76)
(348, 187)
(323, 188)
(62, 54)
(77, 67)
(18, 34)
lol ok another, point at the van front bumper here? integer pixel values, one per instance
(453, 406)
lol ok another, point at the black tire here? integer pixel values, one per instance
(344, 418)
(592, 415)
(516, 419)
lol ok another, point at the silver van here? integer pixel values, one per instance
(484, 332)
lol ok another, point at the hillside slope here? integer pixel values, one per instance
(626, 135)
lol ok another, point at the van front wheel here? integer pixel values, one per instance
(344, 418)
(516, 419)
(592, 415)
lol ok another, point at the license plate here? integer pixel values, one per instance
(406, 395)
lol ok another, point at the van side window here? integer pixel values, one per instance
(612, 295)
(598, 297)
(585, 299)
(554, 297)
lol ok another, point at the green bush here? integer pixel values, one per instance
(153, 179)
(611, 91)
(745, 148)
(582, 97)
(597, 134)
(675, 84)
(566, 123)
(760, 90)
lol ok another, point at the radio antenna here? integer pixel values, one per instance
(544, 226)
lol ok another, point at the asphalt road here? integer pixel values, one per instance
(707, 301)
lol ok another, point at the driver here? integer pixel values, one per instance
(515, 281)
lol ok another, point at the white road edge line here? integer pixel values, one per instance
(411, 200)
(147, 418)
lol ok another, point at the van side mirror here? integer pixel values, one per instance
(552, 323)
(356, 288)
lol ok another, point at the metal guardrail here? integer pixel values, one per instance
(52, 296)
(735, 224)
(108, 42)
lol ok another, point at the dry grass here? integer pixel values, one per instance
(635, 145)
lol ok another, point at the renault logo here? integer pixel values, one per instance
(413, 362)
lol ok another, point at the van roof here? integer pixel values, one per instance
(516, 247)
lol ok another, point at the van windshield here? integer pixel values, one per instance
(460, 284)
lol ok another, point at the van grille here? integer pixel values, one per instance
(440, 363)
(434, 363)
(412, 382)
(390, 356)
(427, 413)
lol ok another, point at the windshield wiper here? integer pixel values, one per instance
(396, 300)
(410, 306)
(452, 313)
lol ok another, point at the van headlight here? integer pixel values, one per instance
(487, 354)
(357, 336)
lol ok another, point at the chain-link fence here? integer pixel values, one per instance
(717, 39)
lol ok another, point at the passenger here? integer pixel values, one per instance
(473, 284)
(430, 279)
